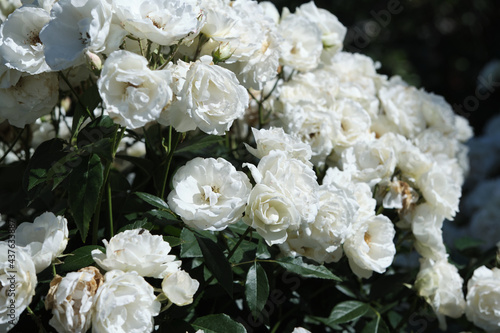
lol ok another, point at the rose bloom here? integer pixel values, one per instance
(371, 247)
(209, 194)
(71, 300)
(77, 26)
(20, 45)
(29, 98)
(124, 303)
(483, 299)
(17, 283)
(132, 93)
(208, 97)
(137, 250)
(441, 286)
(179, 287)
(45, 239)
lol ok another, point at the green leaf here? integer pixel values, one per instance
(189, 246)
(198, 143)
(218, 323)
(217, 263)
(153, 200)
(86, 181)
(296, 265)
(91, 99)
(263, 250)
(163, 215)
(173, 241)
(80, 258)
(46, 157)
(348, 311)
(144, 224)
(145, 165)
(377, 325)
(256, 289)
(466, 242)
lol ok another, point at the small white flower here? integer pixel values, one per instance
(441, 286)
(20, 45)
(209, 194)
(483, 299)
(132, 93)
(71, 300)
(208, 97)
(276, 139)
(75, 27)
(17, 283)
(44, 239)
(124, 303)
(302, 45)
(426, 225)
(332, 31)
(371, 247)
(271, 213)
(31, 97)
(179, 288)
(164, 22)
(300, 330)
(137, 250)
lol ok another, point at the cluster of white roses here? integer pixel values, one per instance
(121, 300)
(380, 144)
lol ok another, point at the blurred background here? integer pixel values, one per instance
(451, 47)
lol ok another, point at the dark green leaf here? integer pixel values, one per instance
(377, 325)
(80, 258)
(218, 323)
(256, 289)
(345, 290)
(153, 200)
(145, 165)
(144, 224)
(199, 143)
(296, 265)
(322, 320)
(189, 246)
(85, 184)
(348, 311)
(173, 241)
(217, 263)
(163, 215)
(466, 242)
(263, 250)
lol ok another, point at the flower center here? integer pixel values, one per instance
(33, 38)
(211, 194)
(368, 238)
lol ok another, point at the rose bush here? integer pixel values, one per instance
(222, 166)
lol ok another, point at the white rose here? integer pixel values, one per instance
(332, 31)
(291, 177)
(439, 283)
(179, 288)
(137, 250)
(20, 45)
(164, 22)
(17, 283)
(30, 98)
(208, 97)
(132, 93)
(124, 303)
(321, 240)
(271, 213)
(369, 161)
(302, 45)
(403, 107)
(354, 122)
(8, 76)
(71, 300)
(45, 239)
(483, 299)
(276, 139)
(371, 247)
(426, 225)
(300, 330)
(87, 27)
(209, 194)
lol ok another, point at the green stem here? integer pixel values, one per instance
(54, 270)
(171, 150)
(37, 320)
(76, 95)
(166, 307)
(12, 145)
(235, 247)
(95, 228)
(110, 211)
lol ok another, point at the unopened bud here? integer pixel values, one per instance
(222, 53)
(93, 61)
